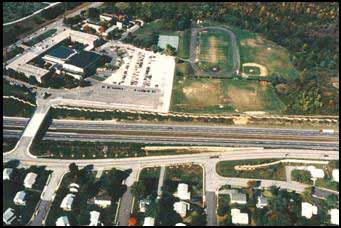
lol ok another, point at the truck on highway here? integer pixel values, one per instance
(327, 131)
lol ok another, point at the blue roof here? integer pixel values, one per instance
(61, 52)
(83, 59)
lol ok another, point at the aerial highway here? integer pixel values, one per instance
(180, 140)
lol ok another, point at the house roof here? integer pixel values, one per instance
(180, 224)
(94, 217)
(182, 191)
(83, 59)
(61, 52)
(237, 196)
(334, 216)
(8, 216)
(63, 221)
(315, 173)
(181, 208)
(20, 196)
(308, 210)
(6, 173)
(335, 174)
(261, 201)
(30, 179)
(149, 221)
(67, 201)
(239, 218)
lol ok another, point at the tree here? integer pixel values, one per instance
(138, 189)
(93, 13)
(73, 168)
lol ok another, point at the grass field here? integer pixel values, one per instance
(184, 43)
(251, 70)
(214, 50)
(222, 96)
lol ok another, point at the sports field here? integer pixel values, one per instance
(214, 50)
(224, 96)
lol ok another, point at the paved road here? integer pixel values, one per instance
(106, 125)
(161, 181)
(41, 213)
(211, 206)
(180, 140)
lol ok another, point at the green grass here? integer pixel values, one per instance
(274, 172)
(8, 144)
(184, 43)
(251, 70)
(16, 108)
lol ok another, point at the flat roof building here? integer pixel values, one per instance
(30, 179)
(181, 208)
(334, 216)
(335, 174)
(59, 54)
(149, 221)
(182, 192)
(239, 198)
(261, 202)
(94, 218)
(82, 63)
(239, 218)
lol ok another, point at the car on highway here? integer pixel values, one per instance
(214, 156)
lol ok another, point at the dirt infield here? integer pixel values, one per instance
(263, 70)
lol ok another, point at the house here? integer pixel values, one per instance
(261, 202)
(73, 187)
(181, 208)
(30, 179)
(6, 174)
(308, 210)
(102, 199)
(180, 224)
(67, 202)
(237, 197)
(142, 205)
(8, 216)
(334, 216)
(149, 221)
(182, 192)
(106, 17)
(315, 173)
(94, 217)
(63, 221)
(119, 25)
(19, 198)
(335, 174)
(239, 218)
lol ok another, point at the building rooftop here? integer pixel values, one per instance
(63, 221)
(149, 221)
(315, 173)
(8, 216)
(239, 218)
(261, 202)
(61, 52)
(335, 174)
(94, 218)
(308, 210)
(67, 201)
(83, 59)
(182, 192)
(6, 174)
(238, 198)
(19, 197)
(334, 216)
(180, 224)
(30, 179)
(181, 208)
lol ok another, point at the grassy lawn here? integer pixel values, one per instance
(11, 187)
(251, 70)
(274, 172)
(184, 43)
(205, 95)
(8, 144)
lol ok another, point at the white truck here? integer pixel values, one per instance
(327, 131)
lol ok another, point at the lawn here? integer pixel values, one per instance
(184, 43)
(223, 96)
(274, 172)
(8, 144)
(11, 187)
(251, 70)
(214, 50)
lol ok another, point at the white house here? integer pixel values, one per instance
(315, 173)
(334, 216)
(142, 205)
(119, 25)
(237, 197)
(63, 221)
(261, 202)
(105, 17)
(335, 174)
(182, 192)
(67, 202)
(308, 210)
(149, 221)
(8, 216)
(30, 179)
(19, 198)
(239, 218)
(6, 174)
(94, 218)
(181, 208)
(180, 224)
